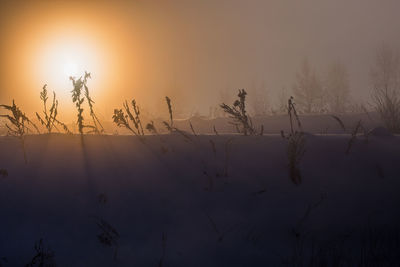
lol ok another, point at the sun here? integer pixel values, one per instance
(64, 60)
(57, 55)
(71, 69)
(62, 57)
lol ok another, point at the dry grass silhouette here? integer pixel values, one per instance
(239, 114)
(296, 143)
(170, 125)
(123, 120)
(49, 119)
(80, 93)
(19, 124)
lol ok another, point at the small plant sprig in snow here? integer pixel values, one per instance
(50, 116)
(239, 114)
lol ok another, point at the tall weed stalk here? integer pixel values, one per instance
(80, 93)
(49, 119)
(170, 125)
(296, 143)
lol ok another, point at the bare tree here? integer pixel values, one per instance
(385, 80)
(337, 87)
(308, 90)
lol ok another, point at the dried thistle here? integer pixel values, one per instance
(80, 92)
(239, 114)
(50, 116)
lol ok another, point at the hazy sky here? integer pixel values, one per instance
(187, 49)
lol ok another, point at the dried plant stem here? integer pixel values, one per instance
(19, 123)
(239, 114)
(353, 137)
(80, 93)
(296, 144)
(50, 120)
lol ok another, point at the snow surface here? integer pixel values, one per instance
(222, 200)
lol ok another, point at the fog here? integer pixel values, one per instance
(194, 50)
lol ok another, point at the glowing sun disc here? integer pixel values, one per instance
(70, 69)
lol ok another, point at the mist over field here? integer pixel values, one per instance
(198, 53)
(200, 133)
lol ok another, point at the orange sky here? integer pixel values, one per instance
(40, 35)
(187, 49)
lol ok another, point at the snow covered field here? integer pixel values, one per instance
(205, 200)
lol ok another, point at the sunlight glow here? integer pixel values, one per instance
(63, 59)
(70, 69)
(69, 55)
